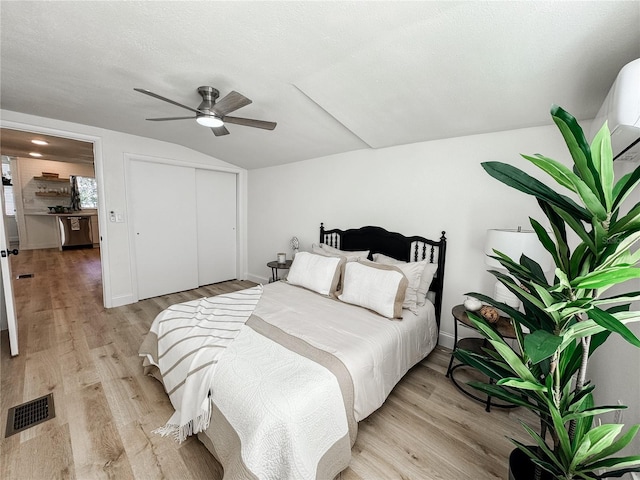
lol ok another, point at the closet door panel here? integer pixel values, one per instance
(216, 202)
(163, 212)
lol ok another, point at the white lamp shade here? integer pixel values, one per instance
(514, 243)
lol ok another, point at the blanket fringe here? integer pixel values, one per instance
(181, 432)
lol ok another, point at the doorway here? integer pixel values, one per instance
(38, 186)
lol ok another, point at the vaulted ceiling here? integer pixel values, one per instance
(335, 76)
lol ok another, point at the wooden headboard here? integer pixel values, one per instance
(396, 245)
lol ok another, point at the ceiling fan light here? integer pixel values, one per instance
(209, 121)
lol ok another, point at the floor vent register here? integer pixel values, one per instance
(29, 414)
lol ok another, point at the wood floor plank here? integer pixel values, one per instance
(107, 409)
(97, 447)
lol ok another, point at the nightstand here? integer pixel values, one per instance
(275, 266)
(505, 330)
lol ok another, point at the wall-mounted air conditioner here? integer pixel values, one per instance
(621, 109)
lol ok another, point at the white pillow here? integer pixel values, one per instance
(413, 272)
(386, 260)
(380, 288)
(351, 256)
(429, 272)
(316, 272)
(425, 278)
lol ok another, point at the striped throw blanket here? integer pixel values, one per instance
(191, 337)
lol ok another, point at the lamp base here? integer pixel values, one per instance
(502, 294)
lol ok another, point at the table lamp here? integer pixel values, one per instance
(513, 243)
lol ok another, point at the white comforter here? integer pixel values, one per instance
(376, 351)
(288, 391)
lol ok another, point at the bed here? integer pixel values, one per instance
(284, 372)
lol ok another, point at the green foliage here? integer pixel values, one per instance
(567, 319)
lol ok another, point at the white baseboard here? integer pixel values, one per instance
(446, 340)
(38, 246)
(257, 278)
(121, 300)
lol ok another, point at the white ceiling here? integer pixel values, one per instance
(335, 76)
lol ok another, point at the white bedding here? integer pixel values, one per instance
(288, 391)
(376, 351)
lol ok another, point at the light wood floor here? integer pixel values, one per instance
(106, 408)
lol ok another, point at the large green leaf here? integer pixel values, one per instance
(560, 430)
(625, 186)
(519, 384)
(602, 157)
(559, 232)
(630, 461)
(612, 324)
(595, 441)
(577, 145)
(605, 278)
(516, 178)
(535, 270)
(580, 259)
(546, 241)
(539, 345)
(570, 180)
(482, 364)
(620, 249)
(630, 221)
(615, 447)
(578, 227)
(505, 395)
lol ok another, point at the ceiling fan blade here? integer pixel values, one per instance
(170, 118)
(250, 122)
(218, 131)
(231, 102)
(164, 99)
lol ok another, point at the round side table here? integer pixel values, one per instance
(477, 345)
(275, 266)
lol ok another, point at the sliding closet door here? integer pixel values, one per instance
(217, 217)
(162, 200)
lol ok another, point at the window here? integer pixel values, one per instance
(88, 192)
(9, 205)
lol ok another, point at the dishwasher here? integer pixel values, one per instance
(75, 231)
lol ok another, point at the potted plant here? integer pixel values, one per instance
(564, 321)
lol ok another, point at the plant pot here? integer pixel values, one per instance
(522, 468)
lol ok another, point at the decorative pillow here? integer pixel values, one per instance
(318, 250)
(425, 278)
(413, 272)
(380, 288)
(316, 272)
(351, 256)
(429, 272)
(386, 260)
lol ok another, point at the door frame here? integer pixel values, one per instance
(98, 167)
(241, 181)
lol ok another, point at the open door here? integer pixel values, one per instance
(5, 266)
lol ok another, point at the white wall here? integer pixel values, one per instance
(109, 164)
(417, 189)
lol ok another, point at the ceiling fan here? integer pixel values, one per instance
(214, 114)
